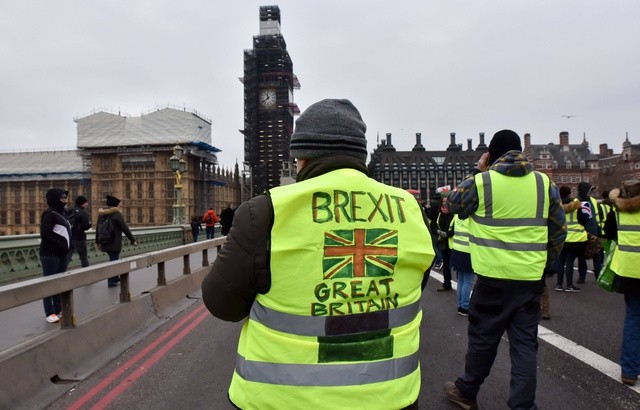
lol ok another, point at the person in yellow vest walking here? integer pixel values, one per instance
(330, 272)
(516, 230)
(623, 226)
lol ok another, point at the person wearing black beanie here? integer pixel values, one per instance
(110, 240)
(335, 228)
(517, 224)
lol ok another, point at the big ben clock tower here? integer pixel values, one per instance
(268, 104)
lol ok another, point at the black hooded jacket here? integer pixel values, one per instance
(55, 232)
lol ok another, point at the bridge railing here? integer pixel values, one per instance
(31, 290)
(20, 254)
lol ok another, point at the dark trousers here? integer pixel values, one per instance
(446, 268)
(50, 266)
(113, 281)
(597, 265)
(81, 247)
(498, 306)
(210, 230)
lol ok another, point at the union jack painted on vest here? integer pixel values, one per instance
(358, 253)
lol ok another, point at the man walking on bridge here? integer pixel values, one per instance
(329, 271)
(516, 230)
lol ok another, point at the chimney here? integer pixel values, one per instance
(605, 151)
(564, 139)
(418, 146)
(389, 138)
(452, 145)
(469, 144)
(527, 141)
(482, 146)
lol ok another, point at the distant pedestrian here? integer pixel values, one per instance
(55, 241)
(592, 226)
(210, 219)
(196, 227)
(80, 221)
(516, 230)
(226, 219)
(623, 226)
(113, 245)
(444, 229)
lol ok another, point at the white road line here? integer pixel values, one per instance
(581, 353)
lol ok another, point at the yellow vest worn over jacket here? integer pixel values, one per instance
(339, 327)
(461, 234)
(575, 230)
(508, 232)
(626, 257)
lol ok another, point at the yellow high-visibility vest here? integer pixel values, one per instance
(461, 234)
(575, 231)
(508, 232)
(339, 326)
(626, 257)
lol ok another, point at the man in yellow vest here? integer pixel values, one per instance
(329, 272)
(516, 230)
(623, 226)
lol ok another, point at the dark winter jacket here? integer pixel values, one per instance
(120, 227)
(622, 284)
(226, 219)
(55, 232)
(241, 270)
(81, 223)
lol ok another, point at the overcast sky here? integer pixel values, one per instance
(434, 67)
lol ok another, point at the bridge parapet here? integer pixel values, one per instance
(20, 258)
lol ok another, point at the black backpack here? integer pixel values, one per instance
(106, 232)
(70, 215)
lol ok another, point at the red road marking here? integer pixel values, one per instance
(131, 362)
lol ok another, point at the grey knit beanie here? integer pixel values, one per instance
(329, 127)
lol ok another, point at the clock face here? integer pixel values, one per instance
(268, 98)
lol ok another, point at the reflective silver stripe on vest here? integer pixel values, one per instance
(326, 374)
(318, 325)
(509, 246)
(629, 248)
(488, 219)
(629, 228)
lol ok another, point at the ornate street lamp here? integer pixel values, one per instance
(178, 166)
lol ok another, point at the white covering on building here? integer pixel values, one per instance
(161, 127)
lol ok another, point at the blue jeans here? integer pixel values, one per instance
(210, 231)
(498, 306)
(434, 240)
(52, 265)
(113, 256)
(465, 282)
(630, 354)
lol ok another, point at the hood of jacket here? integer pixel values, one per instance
(53, 198)
(583, 190)
(108, 211)
(512, 163)
(624, 204)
